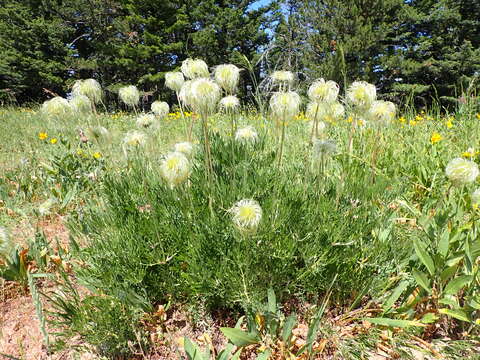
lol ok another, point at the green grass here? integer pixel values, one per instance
(136, 242)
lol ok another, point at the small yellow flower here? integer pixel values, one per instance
(449, 124)
(97, 155)
(42, 135)
(350, 119)
(80, 152)
(418, 118)
(402, 120)
(53, 141)
(436, 137)
(478, 116)
(412, 123)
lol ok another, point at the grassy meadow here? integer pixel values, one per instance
(356, 243)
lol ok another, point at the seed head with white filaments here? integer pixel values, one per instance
(147, 121)
(5, 243)
(461, 171)
(194, 69)
(160, 108)
(204, 94)
(476, 198)
(134, 139)
(227, 76)
(361, 94)
(322, 148)
(246, 135)
(186, 148)
(174, 80)
(283, 77)
(383, 111)
(56, 106)
(285, 105)
(246, 215)
(185, 94)
(91, 88)
(229, 103)
(323, 91)
(321, 127)
(81, 104)
(175, 168)
(129, 95)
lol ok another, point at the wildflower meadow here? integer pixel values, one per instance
(330, 213)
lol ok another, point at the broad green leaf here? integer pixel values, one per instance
(424, 257)
(444, 243)
(449, 300)
(264, 356)
(457, 283)
(454, 260)
(457, 314)
(394, 322)
(422, 280)
(395, 295)
(272, 301)
(448, 272)
(192, 350)
(429, 318)
(238, 337)
(288, 327)
(225, 353)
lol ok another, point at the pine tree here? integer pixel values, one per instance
(34, 47)
(440, 54)
(347, 39)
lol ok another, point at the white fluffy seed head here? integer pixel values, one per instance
(174, 80)
(129, 95)
(461, 171)
(246, 215)
(321, 148)
(205, 94)
(230, 102)
(361, 94)
(285, 105)
(383, 111)
(81, 104)
(160, 108)
(283, 77)
(321, 127)
(323, 91)
(246, 135)
(185, 94)
(186, 148)
(227, 76)
(5, 243)
(175, 168)
(337, 111)
(316, 111)
(88, 87)
(56, 106)
(134, 139)
(147, 121)
(476, 197)
(194, 69)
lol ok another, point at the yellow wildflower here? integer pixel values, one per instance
(449, 124)
(97, 155)
(436, 137)
(53, 141)
(350, 119)
(418, 118)
(42, 135)
(478, 116)
(402, 120)
(412, 123)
